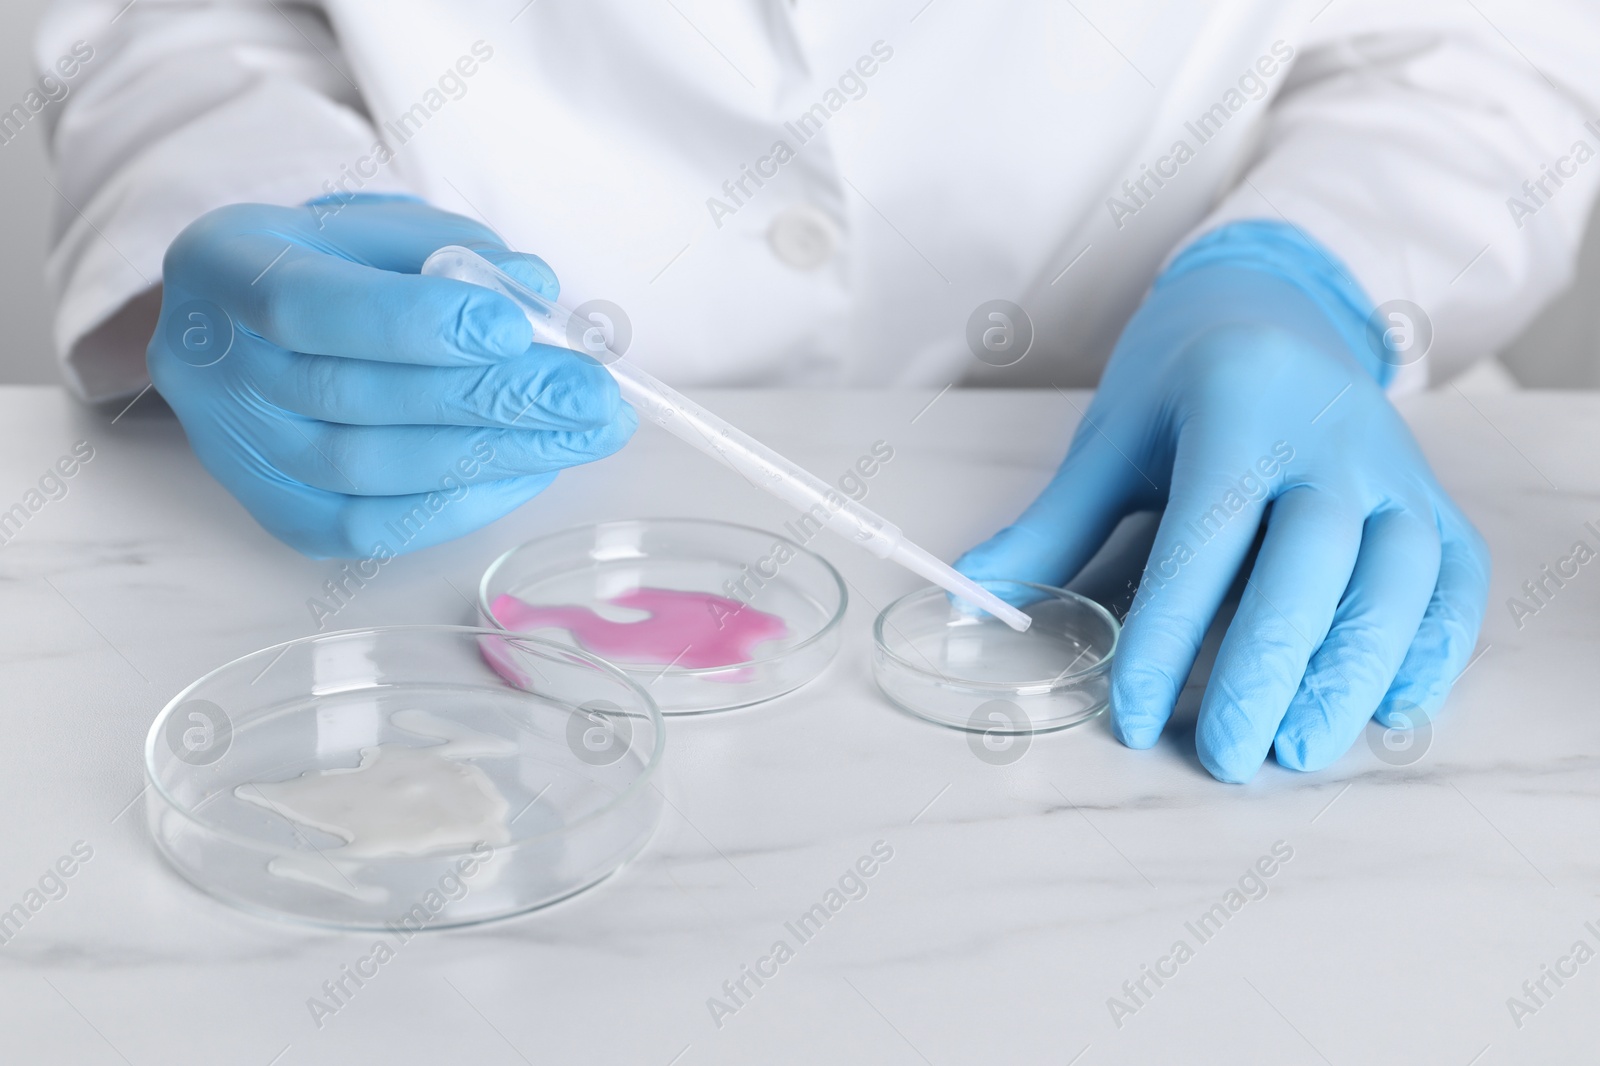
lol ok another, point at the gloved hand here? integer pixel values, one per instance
(1245, 390)
(353, 406)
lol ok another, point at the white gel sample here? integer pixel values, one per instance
(400, 801)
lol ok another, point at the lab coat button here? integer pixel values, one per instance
(803, 237)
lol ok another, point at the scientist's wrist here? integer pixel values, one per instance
(1277, 275)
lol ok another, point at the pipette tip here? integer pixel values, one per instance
(994, 605)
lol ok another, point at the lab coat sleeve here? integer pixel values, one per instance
(1402, 141)
(181, 108)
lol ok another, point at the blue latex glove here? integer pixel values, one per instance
(1244, 391)
(353, 406)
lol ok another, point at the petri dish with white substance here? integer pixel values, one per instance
(705, 615)
(942, 661)
(408, 777)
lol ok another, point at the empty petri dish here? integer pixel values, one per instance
(971, 671)
(705, 615)
(398, 778)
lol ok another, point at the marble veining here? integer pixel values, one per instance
(1021, 897)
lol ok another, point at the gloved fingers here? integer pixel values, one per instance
(339, 279)
(1449, 630)
(331, 525)
(388, 233)
(545, 388)
(395, 460)
(421, 520)
(1305, 562)
(322, 523)
(1063, 528)
(1205, 534)
(1376, 622)
(306, 300)
(402, 233)
(532, 271)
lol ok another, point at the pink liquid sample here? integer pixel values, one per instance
(694, 630)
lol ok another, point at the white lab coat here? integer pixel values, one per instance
(996, 149)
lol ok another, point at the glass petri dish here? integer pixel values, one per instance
(973, 672)
(396, 778)
(706, 616)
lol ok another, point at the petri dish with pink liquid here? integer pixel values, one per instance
(704, 615)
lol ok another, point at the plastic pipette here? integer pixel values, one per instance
(694, 425)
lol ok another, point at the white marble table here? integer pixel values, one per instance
(1019, 898)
